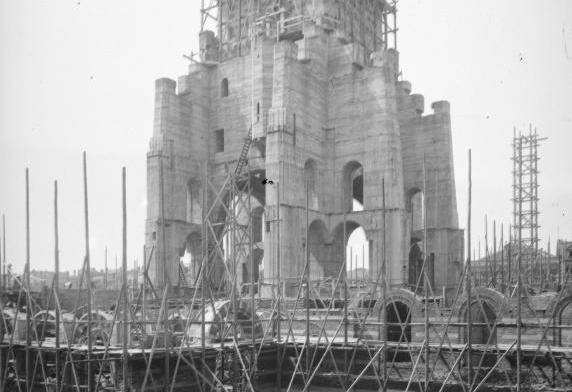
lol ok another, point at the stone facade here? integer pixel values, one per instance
(326, 109)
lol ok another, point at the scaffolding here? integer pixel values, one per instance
(341, 333)
(237, 23)
(525, 201)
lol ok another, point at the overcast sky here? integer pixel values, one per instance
(79, 75)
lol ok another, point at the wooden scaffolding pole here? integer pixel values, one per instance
(125, 340)
(88, 279)
(57, 285)
(384, 288)
(469, 283)
(27, 287)
(425, 277)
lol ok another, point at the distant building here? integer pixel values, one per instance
(499, 269)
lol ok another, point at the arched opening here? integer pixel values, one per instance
(248, 219)
(416, 210)
(353, 183)
(483, 320)
(224, 88)
(358, 251)
(194, 209)
(358, 256)
(310, 178)
(398, 321)
(191, 257)
(565, 319)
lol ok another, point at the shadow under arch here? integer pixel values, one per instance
(562, 320)
(401, 306)
(487, 305)
(319, 246)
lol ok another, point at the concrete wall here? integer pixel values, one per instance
(316, 107)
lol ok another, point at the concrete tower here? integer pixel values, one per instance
(317, 82)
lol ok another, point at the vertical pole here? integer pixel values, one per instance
(88, 277)
(495, 254)
(468, 278)
(480, 270)
(346, 320)
(502, 285)
(116, 274)
(547, 265)
(166, 278)
(560, 256)
(220, 37)
(4, 280)
(514, 193)
(27, 286)
(279, 290)
(519, 280)
(279, 267)
(425, 277)
(240, 30)
(57, 284)
(308, 357)
(533, 256)
(2, 245)
(487, 261)
(203, 270)
(105, 277)
(363, 262)
(351, 263)
(202, 15)
(252, 266)
(384, 288)
(125, 361)
(394, 26)
(509, 257)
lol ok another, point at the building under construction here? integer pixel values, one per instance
(291, 130)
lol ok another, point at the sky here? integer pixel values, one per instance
(79, 75)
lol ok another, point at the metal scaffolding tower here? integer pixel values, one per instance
(525, 198)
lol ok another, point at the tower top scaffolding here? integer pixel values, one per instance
(372, 25)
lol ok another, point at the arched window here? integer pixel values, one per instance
(190, 257)
(416, 209)
(358, 250)
(358, 254)
(353, 183)
(224, 88)
(415, 264)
